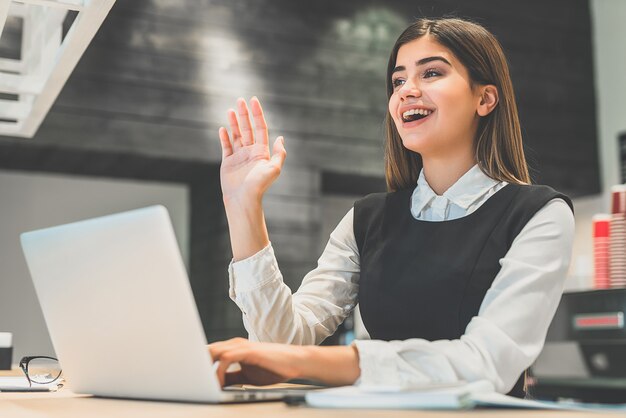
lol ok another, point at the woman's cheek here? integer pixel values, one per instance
(393, 104)
(392, 111)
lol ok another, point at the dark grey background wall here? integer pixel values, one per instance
(148, 96)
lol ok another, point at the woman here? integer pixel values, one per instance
(458, 269)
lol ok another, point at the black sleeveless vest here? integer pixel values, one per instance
(422, 279)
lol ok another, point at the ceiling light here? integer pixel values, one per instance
(30, 84)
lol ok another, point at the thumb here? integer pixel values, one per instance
(278, 152)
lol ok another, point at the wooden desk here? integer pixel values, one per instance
(68, 405)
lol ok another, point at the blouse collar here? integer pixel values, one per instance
(467, 190)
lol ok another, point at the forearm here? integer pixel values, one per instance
(333, 365)
(326, 296)
(246, 226)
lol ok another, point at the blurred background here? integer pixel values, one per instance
(136, 124)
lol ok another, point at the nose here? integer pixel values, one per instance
(409, 89)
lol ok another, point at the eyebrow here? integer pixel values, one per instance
(422, 62)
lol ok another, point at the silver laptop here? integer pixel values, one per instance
(120, 311)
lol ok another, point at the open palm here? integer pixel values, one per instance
(247, 168)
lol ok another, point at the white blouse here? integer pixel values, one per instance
(499, 343)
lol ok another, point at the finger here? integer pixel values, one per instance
(244, 123)
(235, 340)
(234, 128)
(221, 379)
(260, 127)
(228, 358)
(227, 147)
(221, 371)
(278, 152)
(255, 375)
(218, 348)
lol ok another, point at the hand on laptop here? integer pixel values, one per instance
(269, 363)
(261, 363)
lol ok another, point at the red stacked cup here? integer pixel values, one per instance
(601, 277)
(617, 237)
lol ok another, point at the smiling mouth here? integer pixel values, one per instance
(415, 114)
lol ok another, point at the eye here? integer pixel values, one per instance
(431, 72)
(396, 82)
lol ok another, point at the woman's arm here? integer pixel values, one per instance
(246, 172)
(270, 312)
(498, 345)
(326, 296)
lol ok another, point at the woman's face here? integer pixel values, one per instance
(433, 104)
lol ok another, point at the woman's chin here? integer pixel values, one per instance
(417, 143)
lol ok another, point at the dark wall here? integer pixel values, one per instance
(150, 92)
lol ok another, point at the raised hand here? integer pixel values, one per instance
(248, 169)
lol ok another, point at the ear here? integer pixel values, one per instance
(488, 99)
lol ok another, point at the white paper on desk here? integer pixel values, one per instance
(498, 400)
(453, 397)
(21, 383)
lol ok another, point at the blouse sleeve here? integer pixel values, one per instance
(508, 333)
(326, 296)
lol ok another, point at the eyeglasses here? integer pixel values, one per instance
(40, 369)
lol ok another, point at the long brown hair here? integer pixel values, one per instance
(498, 142)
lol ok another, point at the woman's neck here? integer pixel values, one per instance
(442, 173)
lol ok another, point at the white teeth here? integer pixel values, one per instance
(410, 112)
